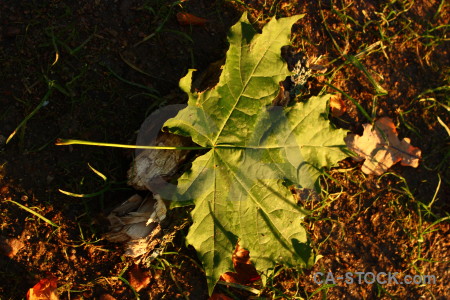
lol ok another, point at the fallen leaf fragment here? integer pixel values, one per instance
(245, 271)
(138, 278)
(131, 220)
(134, 221)
(282, 98)
(45, 289)
(185, 18)
(381, 148)
(337, 106)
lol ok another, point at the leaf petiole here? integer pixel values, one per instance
(64, 142)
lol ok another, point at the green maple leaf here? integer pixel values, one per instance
(237, 186)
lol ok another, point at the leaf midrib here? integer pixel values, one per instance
(245, 85)
(255, 201)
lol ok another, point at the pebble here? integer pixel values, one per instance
(10, 247)
(50, 178)
(107, 297)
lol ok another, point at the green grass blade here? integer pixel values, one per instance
(136, 295)
(444, 125)
(30, 115)
(240, 286)
(97, 172)
(85, 195)
(378, 88)
(34, 213)
(151, 90)
(360, 108)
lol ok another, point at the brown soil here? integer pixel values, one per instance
(104, 83)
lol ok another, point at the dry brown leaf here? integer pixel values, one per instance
(185, 18)
(134, 221)
(381, 148)
(45, 289)
(282, 98)
(245, 271)
(337, 106)
(138, 279)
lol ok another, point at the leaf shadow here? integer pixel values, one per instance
(231, 237)
(298, 249)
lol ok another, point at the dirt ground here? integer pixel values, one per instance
(100, 67)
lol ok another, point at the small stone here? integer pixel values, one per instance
(10, 247)
(107, 297)
(50, 179)
(4, 189)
